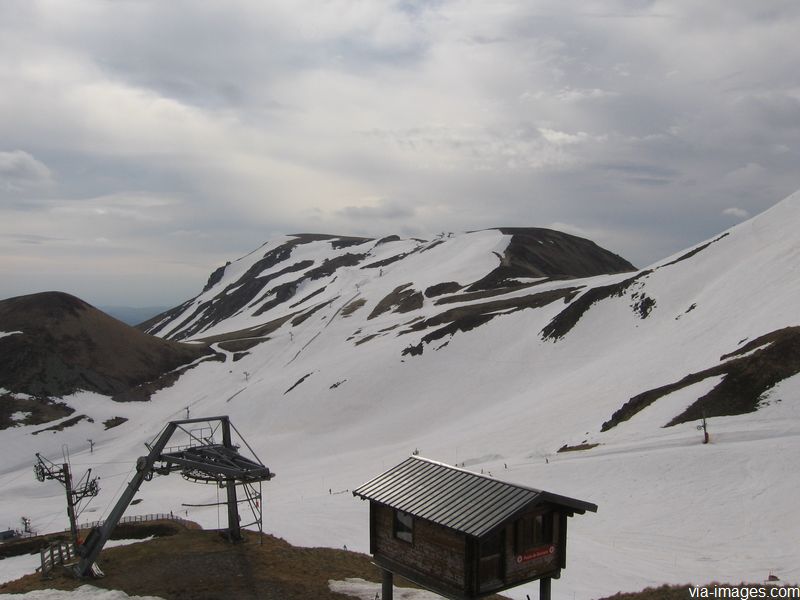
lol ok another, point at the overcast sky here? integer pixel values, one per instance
(143, 144)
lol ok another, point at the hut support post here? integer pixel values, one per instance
(387, 585)
(544, 588)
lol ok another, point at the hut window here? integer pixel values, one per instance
(532, 531)
(403, 526)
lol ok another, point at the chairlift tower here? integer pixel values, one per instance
(201, 460)
(45, 469)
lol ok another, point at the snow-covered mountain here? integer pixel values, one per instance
(290, 279)
(493, 349)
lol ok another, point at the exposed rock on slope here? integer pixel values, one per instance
(748, 374)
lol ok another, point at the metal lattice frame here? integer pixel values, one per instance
(202, 460)
(87, 487)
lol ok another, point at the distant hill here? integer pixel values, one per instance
(133, 315)
(55, 344)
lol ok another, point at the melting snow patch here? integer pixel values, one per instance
(85, 591)
(14, 567)
(126, 542)
(7, 333)
(20, 415)
(367, 590)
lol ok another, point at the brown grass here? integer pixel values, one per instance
(40, 410)
(193, 564)
(201, 565)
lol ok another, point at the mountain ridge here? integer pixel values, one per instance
(533, 253)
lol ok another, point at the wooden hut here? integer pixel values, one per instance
(465, 535)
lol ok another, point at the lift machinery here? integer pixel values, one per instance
(202, 459)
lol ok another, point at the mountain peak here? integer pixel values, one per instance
(280, 279)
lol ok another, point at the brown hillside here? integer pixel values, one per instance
(67, 345)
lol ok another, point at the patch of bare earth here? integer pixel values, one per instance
(31, 411)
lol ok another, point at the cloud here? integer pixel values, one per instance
(749, 174)
(20, 170)
(382, 209)
(522, 147)
(642, 174)
(185, 132)
(573, 230)
(25, 238)
(569, 94)
(124, 207)
(561, 138)
(737, 213)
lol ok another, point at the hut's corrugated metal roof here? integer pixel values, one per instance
(455, 498)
